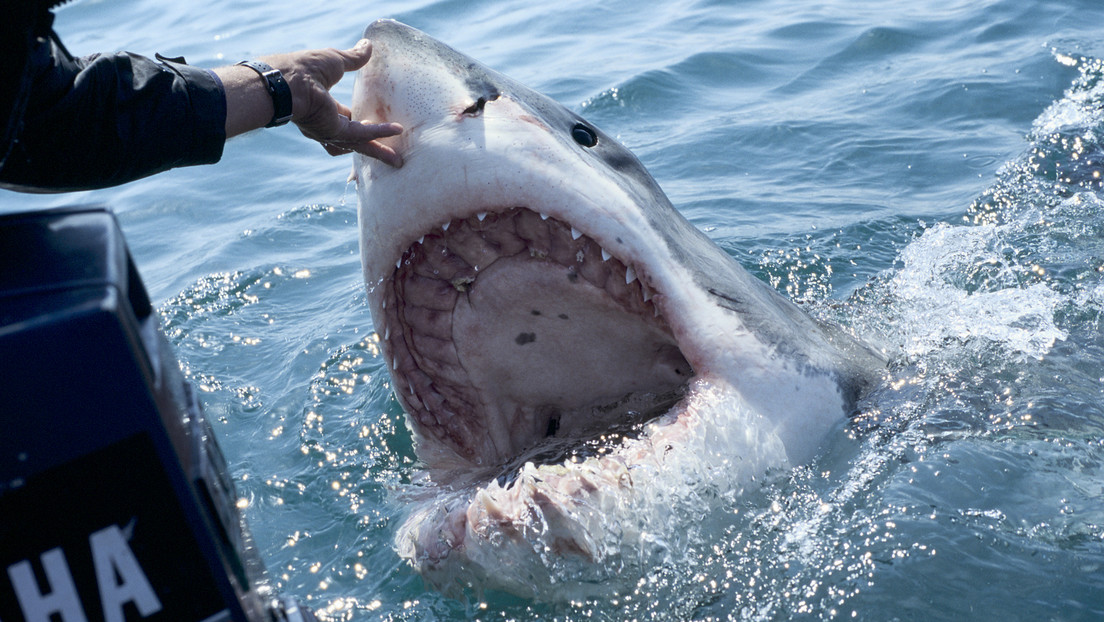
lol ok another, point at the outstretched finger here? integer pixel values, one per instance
(362, 137)
(363, 131)
(381, 152)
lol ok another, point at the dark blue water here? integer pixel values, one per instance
(927, 173)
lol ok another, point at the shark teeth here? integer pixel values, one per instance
(630, 275)
(435, 274)
(475, 258)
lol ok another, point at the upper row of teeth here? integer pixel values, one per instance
(630, 274)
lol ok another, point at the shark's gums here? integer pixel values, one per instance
(581, 368)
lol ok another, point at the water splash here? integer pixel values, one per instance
(963, 284)
(588, 526)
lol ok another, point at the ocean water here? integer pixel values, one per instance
(926, 173)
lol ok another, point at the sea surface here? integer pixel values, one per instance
(927, 173)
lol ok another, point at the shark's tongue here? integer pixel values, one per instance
(506, 328)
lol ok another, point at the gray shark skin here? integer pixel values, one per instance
(533, 289)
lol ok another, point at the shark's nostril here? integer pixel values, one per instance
(476, 108)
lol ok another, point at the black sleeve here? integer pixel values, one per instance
(104, 120)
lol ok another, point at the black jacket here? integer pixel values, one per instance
(98, 121)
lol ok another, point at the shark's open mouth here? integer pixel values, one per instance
(508, 327)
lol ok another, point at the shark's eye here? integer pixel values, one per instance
(584, 135)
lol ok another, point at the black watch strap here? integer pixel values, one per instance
(277, 87)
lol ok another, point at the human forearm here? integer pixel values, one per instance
(310, 74)
(105, 120)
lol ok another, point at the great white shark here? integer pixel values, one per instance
(573, 356)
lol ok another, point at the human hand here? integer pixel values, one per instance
(311, 74)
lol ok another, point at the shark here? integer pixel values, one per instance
(580, 367)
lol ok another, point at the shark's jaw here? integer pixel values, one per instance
(508, 327)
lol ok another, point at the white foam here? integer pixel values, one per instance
(937, 302)
(1079, 106)
(646, 504)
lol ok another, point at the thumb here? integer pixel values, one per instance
(358, 55)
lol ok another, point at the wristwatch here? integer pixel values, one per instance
(277, 87)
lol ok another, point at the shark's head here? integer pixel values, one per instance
(528, 277)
